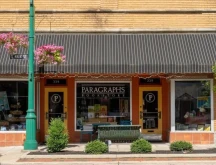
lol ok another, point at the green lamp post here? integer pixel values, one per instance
(30, 142)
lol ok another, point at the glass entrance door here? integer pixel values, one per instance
(150, 102)
(55, 105)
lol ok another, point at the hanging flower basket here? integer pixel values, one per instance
(46, 54)
(49, 54)
(12, 41)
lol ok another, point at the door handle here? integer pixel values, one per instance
(141, 115)
(47, 115)
(64, 115)
(159, 115)
(64, 106)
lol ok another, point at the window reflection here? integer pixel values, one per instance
(102, 103)
(13, 105)
(192, 105)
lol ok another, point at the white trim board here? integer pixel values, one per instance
(172, 99)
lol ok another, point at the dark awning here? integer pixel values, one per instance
(126, 53)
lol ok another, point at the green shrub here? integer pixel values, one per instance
(141, 146)
(57, 136)
(181, 146)
(96, 147)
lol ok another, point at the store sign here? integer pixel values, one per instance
(55, 98)
(104, 91)
(151, 81)
(150, 97)
(18, 56)
(56, 82)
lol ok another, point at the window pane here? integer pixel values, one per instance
(102, 103)
(13, 105)
(192, 106)
(23, 88)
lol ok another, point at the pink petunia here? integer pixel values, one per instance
(51, 54)
(12, 41)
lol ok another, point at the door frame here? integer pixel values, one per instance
(46, 103)
(159, 89)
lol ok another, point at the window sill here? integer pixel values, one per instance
(5, 132)
(192, 131)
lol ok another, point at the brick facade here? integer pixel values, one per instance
(141, 15)
(111, 16)
(108, 22)
(194, 138)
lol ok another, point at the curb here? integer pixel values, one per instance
(111, 163)
(120, 156)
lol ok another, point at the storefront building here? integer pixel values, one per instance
(162, 82)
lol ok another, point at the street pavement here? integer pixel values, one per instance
(10, 155)
(119, 163)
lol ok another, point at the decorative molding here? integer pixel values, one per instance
(103, 79)
(142, 11)
(111, 30)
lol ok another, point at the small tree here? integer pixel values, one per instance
(58, 136)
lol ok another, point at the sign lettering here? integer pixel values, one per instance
(18, 56)
(150, 97)
(55, 98)
(56, 82)
(101, 90)
(151, 81)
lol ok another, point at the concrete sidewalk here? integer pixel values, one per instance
(10, 155)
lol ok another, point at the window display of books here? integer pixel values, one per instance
(193, 127)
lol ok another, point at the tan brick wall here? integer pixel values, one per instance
(110, 4)
(108, 21)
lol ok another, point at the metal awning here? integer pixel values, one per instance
(125, 53)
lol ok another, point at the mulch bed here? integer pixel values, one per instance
(209, 151)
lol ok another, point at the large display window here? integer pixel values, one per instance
(193, 108)
(102, 103)
(13, 105)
